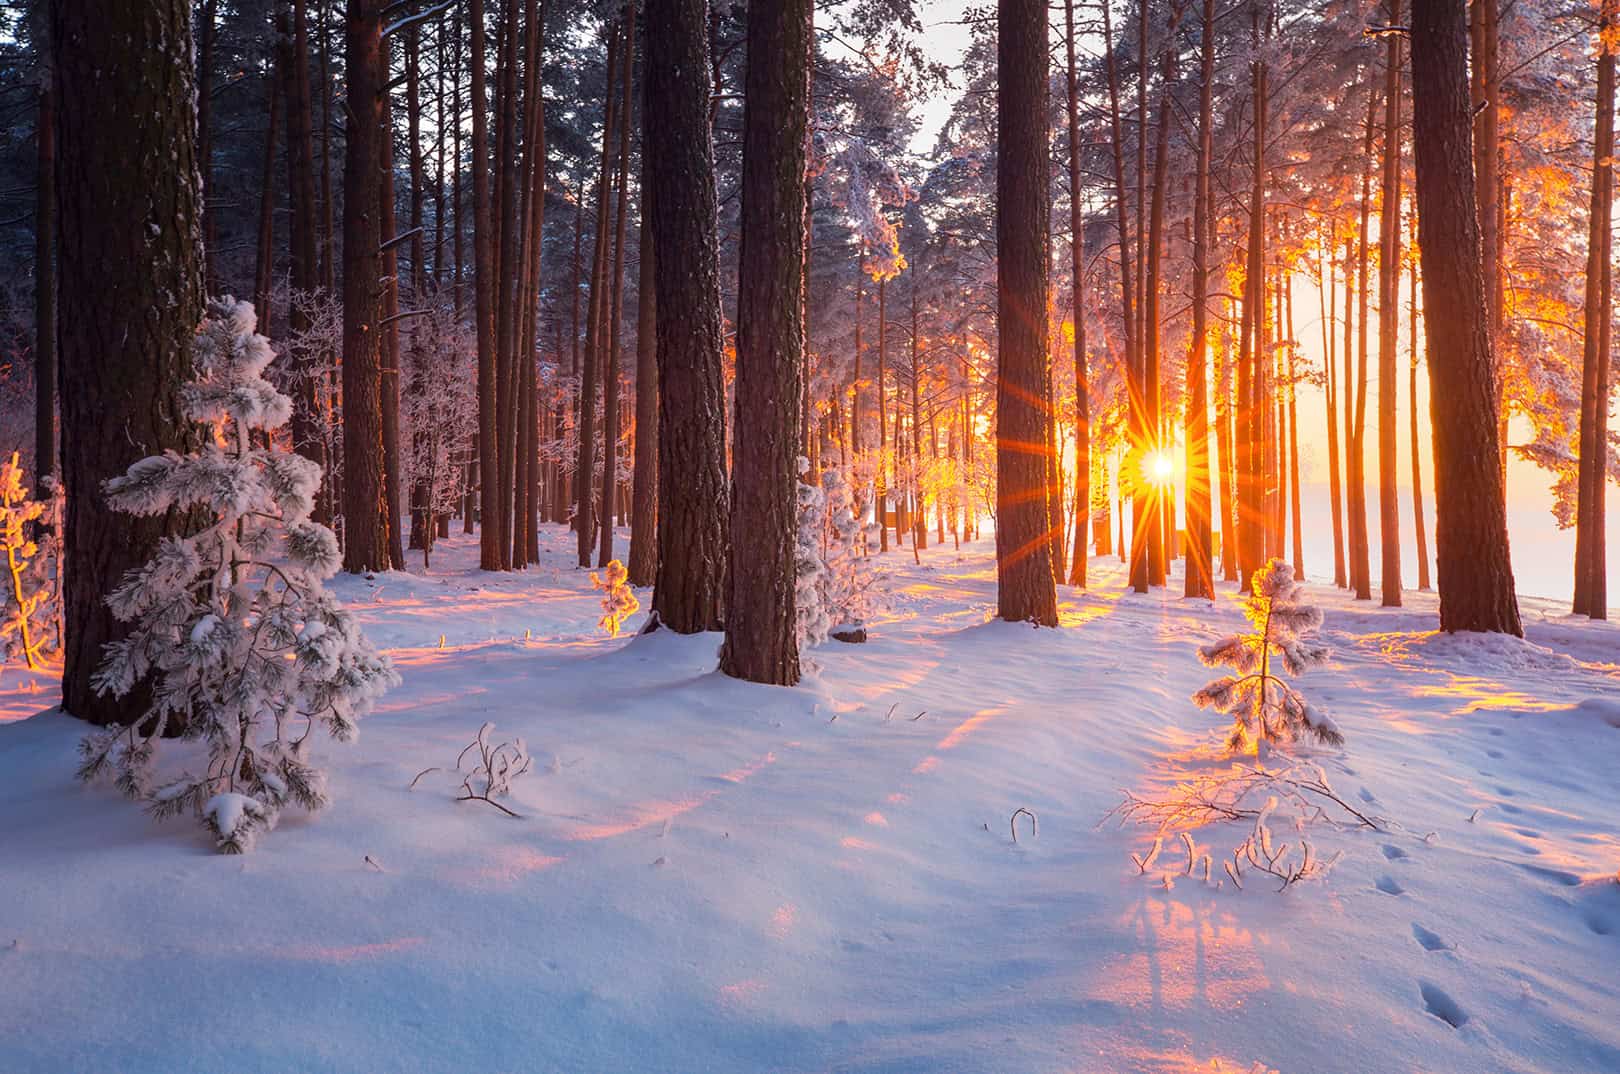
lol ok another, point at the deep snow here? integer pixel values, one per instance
(716, 876)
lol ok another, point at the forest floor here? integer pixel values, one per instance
(712, 876)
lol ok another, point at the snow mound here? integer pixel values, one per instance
(1470, 651)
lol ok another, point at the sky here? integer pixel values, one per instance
(1543, 555)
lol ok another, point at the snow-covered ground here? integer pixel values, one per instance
(711, 876)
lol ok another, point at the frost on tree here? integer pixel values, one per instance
(23, 633)
(1265, 709)
(241, 643)
(809, 567)
(618, 598)
(849, 589)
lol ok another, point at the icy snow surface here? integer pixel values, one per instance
(711, 876)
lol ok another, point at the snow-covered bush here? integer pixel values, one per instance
(1264, 707)
(618, 599)
(809, 569)
(26, 593)
(240, 642)
(850, 590)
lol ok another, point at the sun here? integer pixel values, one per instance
(1159, 467)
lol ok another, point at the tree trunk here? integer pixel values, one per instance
(1389, 315)
(490, 550)
(207, 31)
(1026, 591)
(761, 612)
(1475, 571)
(1487, 94)
(365, 492)
(1160, 496)
(1417, 455)
(610, 381)
(1199, 580)
(45, 327)
(1326, 296)
(265, 254)
(1077, 271)
(1360, 544)
(1591, 569)
(693, 527)
(130, 261)
(585, 517)
(1135, 430)
(303, 233)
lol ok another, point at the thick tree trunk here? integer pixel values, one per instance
(1389, 317)
(693, 527)
(761, 611)
(365, 492)
(1026, 590)
(392, 486)
(1591, 569)
(1475, 571)
(130, 257)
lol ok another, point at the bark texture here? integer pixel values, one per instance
(130, 256)
(761, 643)
(1475, 572)
(693, 528)
(1026, 591)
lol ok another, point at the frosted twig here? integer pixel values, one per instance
(1034, 823)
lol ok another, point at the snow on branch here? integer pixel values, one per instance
(232, 627)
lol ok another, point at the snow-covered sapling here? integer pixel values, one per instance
(1265, 709)
(850, 591)
(618, 599)
(24, 594)
(809, 568)
(231, 627)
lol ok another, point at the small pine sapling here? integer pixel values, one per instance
(618, 599)
(809, 569)
(1266, 710)
(19, 512)
(851, 591)
(232, 626)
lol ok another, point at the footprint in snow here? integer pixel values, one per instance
(1440, 1004)
(1366, 795)
(1601, 924)
(1495, 755)
(1389, 886)
(1392, 852)
(1431, 941)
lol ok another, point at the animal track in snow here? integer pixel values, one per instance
(1431, 941)
(1388, 886)
(1366, 795)
(1392, 852)
(1440, 1004)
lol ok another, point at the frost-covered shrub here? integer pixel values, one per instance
(1264, 707)
(618, 599)
(240, 642)
(26, 592)
(850, 590)
(809, 569)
